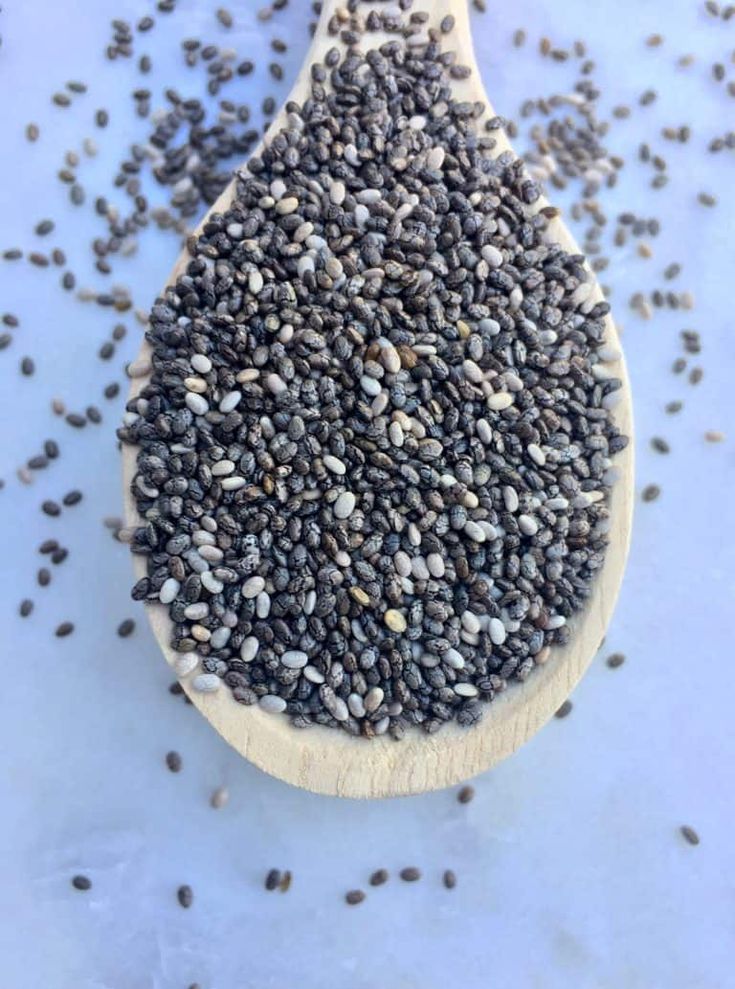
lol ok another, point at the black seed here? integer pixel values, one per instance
(185, 896)
(689, 834)
(615, 660)
(27, 366)
(466, 794)
(72, 498)
(126, 628)
(564, 710)
(51, 508)
(26, 607)
(82, 883)
(410, 874)
(449, 879)
(379, 877)
(66, 628)
(173, 761)
(44, 577)
(272, 879)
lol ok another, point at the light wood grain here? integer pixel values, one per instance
(333, 762)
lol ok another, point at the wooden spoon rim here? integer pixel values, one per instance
(332, 762)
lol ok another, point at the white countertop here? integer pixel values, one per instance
(571, 871)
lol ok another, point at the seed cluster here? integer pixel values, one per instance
(375, 447)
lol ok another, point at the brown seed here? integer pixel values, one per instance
(564, 710)
(185, 896)
(379, 877)
(615, 660)
(695, 375)
(410, 874)
(519, 38)
(706, 199)
(449, 879)
(285, 884)
(654, 40)
(689, 834)
(714, 436)
(466, 794)
(32, 132)
(61, 99)
(173, 761)
(354, 897)
(651, 492)
(66, 628)
(272, 879)
(224, 17)
(82, 883)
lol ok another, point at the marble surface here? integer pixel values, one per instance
(571, 870)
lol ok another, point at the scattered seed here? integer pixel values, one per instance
(64, 629)
(354, 897)
(173, 761)
(564, 710)
(126, 628)
(26, 607)
(651, 492)
(273, 879)
(82, 883)
(660, 445)
(379, 877)
(219, 797)
(185, 896)
(410, 874)
(689, 834)
(466, 794)
(615, 660)
(714, 436)
(449, 879)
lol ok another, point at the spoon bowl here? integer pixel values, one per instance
(335, 763)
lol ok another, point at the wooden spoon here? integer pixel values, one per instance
(332, 762)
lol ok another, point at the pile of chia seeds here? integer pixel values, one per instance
(375, 449)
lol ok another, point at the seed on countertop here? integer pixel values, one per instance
(64, 629)
(126, 628)
(273, 879)
(449, 879)
(26, 607)
(43, 577)
(707, 199)
(689, 834)
(219, 797)
(27, 366)
(564, 710)
(224, 17)
(466, 794)
(285, 884)
(714, 436)
(59, 555)
(354, 897)
(379, 877)
(82, 883)
(185, 896)
(173, 761)
(651, 492)
(51, 508)
(660, 445)
(410, 874)
(32, 132)
(102, 118)
(72, 498)
(76, 420)
(61, 99)
(654, 40)
(615, 660)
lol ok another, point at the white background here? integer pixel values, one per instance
(571, 871)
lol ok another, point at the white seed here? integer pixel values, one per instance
(396, 435)
(466, 690)
(419, 569)
(278, 188)
(435, 564)
(253, 586)
(492, 255)
(230, 401)
(198, 385)
(356, 705)
(472, 371)
(233, 483)
(220, 637)
(369, 385)
(484, 431)
(313, 675)
(200, 633)
(336, 706)
(402, 563)
(185, 664)
(390, 359)
(275, 384)
(211, 584)
(497, 631)
(272, 704)
(528, 525)
(247, 374)
(222, 468)
(334, 464)
(255, 282)
(206, 683)
(373, 699)
(454, 658)
(510, 498)
(337, 193)
(381, 727)
(499, 401)
(471, 622)
(474, 532)
(263, 605)
(344, 506)
(395, 621)
(491, 533)
(288, 205)
(169, 589)
(435, 159)
(294, 659)
(556, 621)
(212, 554)
(249, 649)
(198, 405)
(536, 454)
